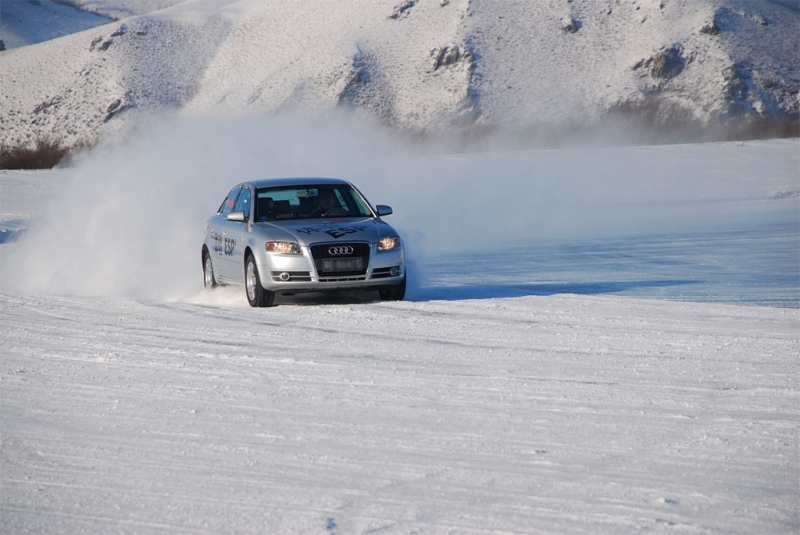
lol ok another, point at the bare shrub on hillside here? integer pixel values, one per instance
(655, 120)
(648, 122)
(46, 153)
(762, 129)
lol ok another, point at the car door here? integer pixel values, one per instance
(216, 233)
(222, 249)
(235, 238)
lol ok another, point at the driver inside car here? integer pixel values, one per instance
(326, 202)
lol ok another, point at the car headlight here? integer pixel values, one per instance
(283, 247)
(387, 244)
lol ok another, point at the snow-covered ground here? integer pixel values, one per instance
(561, 414)
(562, 369)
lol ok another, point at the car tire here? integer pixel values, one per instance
(257, 295)
(209, 281)
(395, 292)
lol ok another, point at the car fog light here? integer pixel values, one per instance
(393, 272)
(285, 276)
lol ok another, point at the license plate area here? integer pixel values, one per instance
(334, 265)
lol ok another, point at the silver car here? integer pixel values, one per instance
(293, 235)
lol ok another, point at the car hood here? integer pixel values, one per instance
(308, 232)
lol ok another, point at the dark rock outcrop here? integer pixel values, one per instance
(403, 9)
(450, 55)
(665, 64)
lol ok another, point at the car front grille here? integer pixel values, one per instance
(325, 253)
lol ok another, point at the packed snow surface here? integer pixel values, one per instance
(558, 368)
(565, 414)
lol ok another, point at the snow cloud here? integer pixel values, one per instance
(130, 218)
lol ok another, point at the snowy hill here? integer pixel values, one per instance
(420, 65)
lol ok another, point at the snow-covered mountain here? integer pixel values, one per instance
(420, 65)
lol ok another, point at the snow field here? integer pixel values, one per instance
(518, 390)
(561, 414)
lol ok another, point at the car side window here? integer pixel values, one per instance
(230, 201)
(243, 204)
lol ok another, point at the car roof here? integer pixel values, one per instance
(295, 181)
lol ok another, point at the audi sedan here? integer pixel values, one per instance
(295, 235)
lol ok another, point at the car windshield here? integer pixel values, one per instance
(309, 202)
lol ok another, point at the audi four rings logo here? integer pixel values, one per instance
(340, 250)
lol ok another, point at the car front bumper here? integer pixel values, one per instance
(302, 273)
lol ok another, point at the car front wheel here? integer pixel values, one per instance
(257, 295)
(394, 293)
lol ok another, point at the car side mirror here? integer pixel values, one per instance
(383, 210)
(236, 216)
